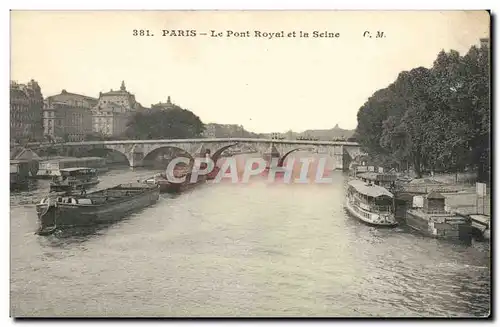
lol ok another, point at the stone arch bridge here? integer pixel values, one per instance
(136, 151)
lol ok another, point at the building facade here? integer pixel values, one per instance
(113, 111)
(26, 106)
(210, 131)
(110, 119)
(68, 116)
(120, 97)
(225, 131)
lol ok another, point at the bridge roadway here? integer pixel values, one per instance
(137, 151)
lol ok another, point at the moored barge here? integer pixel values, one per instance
(431, 219)
(182, 180)
(102, 206)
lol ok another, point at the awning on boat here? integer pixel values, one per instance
(384, 177)
(480, 227)
(374, 191)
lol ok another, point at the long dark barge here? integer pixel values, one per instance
(107, 205)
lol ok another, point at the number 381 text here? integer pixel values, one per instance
(141, 33)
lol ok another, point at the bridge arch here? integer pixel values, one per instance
(157, 150)
(281, 161)
(216, 155)
(105, 152)
(136, 150)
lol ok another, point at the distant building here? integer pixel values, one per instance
(113, 111)
(485, 42)
(110, 119)
(26, 105)
(68, 115)
(120, 97)
(225, 131)
(163, 106)
(209, 131)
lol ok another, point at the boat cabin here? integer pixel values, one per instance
(381, 179)
(370, 197)
(77, 174)
(53, 167)
(434, 203)
(20, 167)
(19, 171)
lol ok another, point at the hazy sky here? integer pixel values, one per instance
(266, 85)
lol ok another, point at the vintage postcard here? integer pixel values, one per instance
(250, 164)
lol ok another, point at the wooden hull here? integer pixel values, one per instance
(446, 229)
(166, 186)
(71, 214)
(369, 218)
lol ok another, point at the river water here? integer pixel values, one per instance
(233, 250)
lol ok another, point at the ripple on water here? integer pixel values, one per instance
(241, 250)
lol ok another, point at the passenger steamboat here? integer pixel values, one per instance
(372, 204)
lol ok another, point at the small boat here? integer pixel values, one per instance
(52, 167)
(74, 179)
(168, 186)
(102, 206)
(481, 226)
(370, 203)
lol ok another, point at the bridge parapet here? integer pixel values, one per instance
(137, 150)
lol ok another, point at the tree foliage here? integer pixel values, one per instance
(432, 119)
(164, 124)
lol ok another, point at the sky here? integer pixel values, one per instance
(266, 85)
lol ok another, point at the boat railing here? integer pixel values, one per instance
(382, 209)
(436, 211)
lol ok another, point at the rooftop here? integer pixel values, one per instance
(76, 169)
(64, 92)
(378, 176)
(373, 191)
(435, 195)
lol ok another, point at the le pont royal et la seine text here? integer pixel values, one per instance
(251, 34)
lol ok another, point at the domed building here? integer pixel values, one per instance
(113, 111)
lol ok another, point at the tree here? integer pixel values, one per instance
(164, 124)
(436, 118)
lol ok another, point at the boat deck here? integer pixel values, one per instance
(482, 219)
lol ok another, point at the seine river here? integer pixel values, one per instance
(233, 250)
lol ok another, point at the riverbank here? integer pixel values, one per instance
(458, 189)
